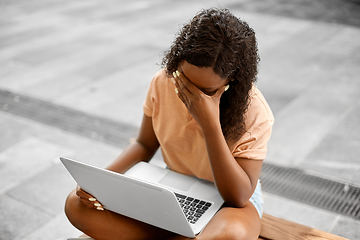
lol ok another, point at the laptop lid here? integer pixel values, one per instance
(129, 196)
(181, 184)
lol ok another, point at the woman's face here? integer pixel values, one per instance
(204, 78)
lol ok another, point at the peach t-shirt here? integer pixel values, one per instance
(181, 139)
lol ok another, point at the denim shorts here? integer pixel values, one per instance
(257, 200)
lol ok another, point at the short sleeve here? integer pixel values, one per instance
(258, 124)
(149, 100)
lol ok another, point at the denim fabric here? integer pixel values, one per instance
(257, 200)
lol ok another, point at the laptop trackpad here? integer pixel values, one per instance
(178, 181)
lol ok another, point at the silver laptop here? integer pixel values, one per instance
(151, 194)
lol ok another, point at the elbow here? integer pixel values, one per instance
(237, 204)
(235, 196)
(242, 203)
(236, 201)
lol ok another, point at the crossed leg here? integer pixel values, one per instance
(231, 224)
(228, 223)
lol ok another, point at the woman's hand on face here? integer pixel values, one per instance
(204, 108)
(88, 200)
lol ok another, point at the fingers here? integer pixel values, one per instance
(188, 92)
(226, 87)
(220, 91)
(185, 84)
(88, 200)
(180, 89)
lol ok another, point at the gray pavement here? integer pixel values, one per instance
(99, 57)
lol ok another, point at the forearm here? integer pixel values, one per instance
(133, 154)
(142, 149)
(232, 182)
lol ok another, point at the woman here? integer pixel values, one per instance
(211, 122)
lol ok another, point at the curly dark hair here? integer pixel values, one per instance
(216, 38)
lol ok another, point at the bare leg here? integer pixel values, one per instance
(230, 224)
(104, 225)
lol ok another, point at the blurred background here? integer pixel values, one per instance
(74, 74)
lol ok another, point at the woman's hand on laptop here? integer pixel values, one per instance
(88, 200)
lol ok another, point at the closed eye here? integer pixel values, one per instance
(207, 92)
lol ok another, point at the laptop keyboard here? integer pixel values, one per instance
(192, 207)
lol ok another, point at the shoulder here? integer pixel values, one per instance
(161, 87)
(158, 83)
(259, 110)
(158, 90)
(259, 120)
(160, 77)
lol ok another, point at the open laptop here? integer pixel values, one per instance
(151, 194)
